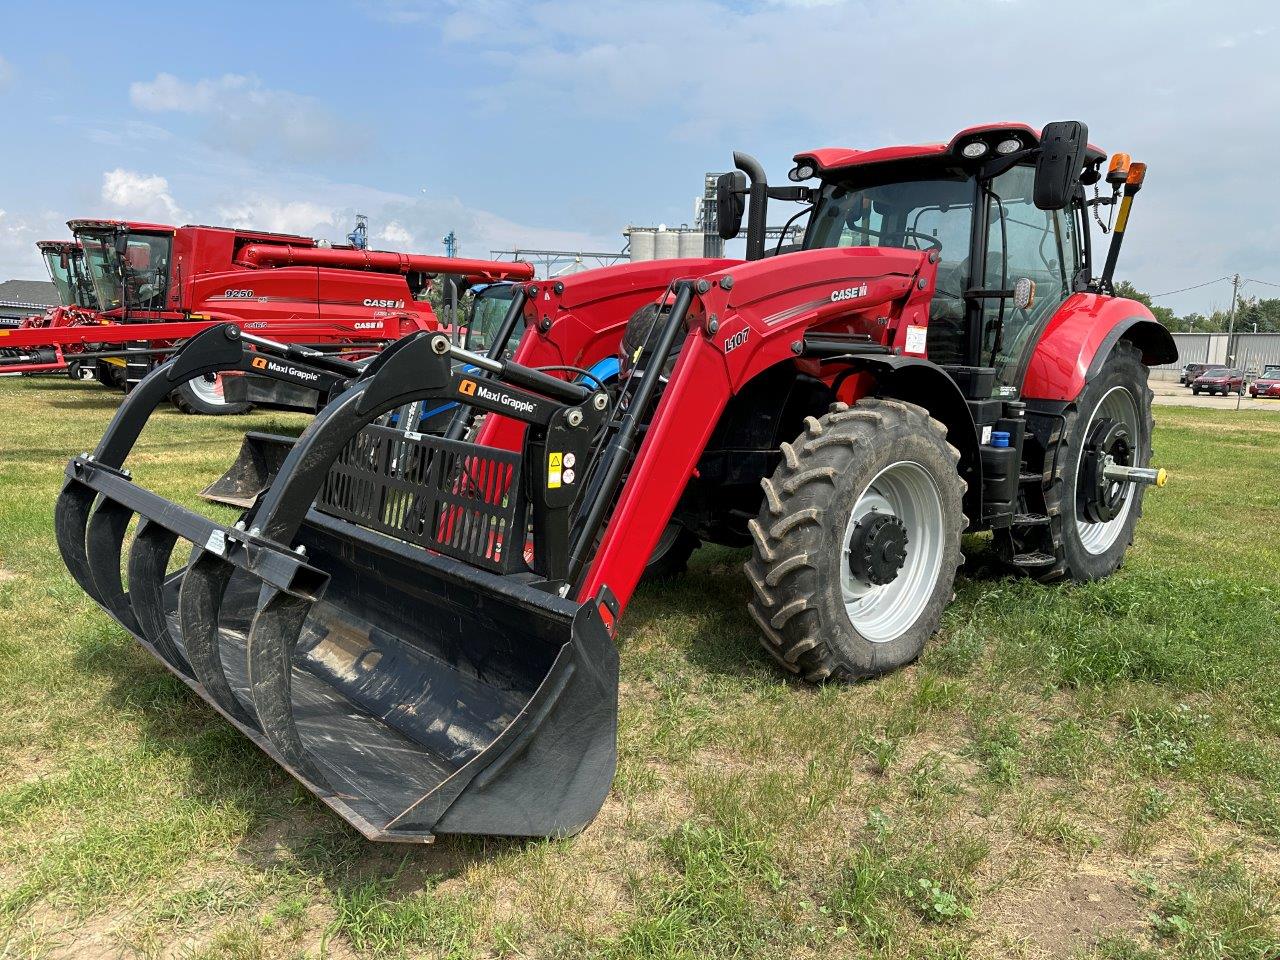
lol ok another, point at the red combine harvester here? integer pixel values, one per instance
(157, 285)
(420, 628)
(78, 305)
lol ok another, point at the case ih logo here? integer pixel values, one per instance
(392, 304)
(369, 325)
(848, 293)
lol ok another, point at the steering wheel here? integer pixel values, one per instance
(933, 242)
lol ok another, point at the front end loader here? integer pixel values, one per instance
(420, 627)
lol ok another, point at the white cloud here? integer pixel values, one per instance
(140, 196)
(245, 116)
(395, 235)
(18, 235)
(301, 217)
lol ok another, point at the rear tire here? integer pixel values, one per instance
(671, 556)
(829, 601)
(1082, 550)
(205, 398)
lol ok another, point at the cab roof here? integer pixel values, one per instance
(96, 224)
(57, 245)
(136, 226)
(830, 159)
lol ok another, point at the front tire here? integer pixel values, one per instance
(858, 540)
(203, 395)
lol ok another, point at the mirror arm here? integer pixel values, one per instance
(993, 168)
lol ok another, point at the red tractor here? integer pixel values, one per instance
(420, 627)
(156, 285)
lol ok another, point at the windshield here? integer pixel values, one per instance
(1215, 372)
(139, 280)
(81, 285)
(934, 214)
(59, 265)
(487, 312)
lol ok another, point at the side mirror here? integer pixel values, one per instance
(731, 203)
(1063, 147)
(122, 244)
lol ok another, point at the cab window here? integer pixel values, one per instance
(1023, 242)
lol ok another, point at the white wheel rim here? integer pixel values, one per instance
(1118, 405)
(883, 612)
(209, 389)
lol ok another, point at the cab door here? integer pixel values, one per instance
(1023, 242)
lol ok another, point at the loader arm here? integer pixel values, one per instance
(744, 320)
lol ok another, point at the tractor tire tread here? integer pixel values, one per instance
(786, 535)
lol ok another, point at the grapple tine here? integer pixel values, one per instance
(104, 540)
(70, 518)
(148, 562)
(273, 636)
(199, 599)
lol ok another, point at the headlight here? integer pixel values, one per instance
(1009, 146)
(801, 172)
(974, 150)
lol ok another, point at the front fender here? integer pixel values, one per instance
(1078, 339)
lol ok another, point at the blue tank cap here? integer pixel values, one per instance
(999, 438)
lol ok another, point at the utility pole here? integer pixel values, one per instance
(1231, 319)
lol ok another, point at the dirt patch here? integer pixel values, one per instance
(1070, 911)
(7, 576)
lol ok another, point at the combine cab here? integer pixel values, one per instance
(419, 627)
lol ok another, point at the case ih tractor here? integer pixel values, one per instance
(420, 628)
(156, 285)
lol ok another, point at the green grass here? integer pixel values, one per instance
(1068, 772)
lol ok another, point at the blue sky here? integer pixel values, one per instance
(557, 123)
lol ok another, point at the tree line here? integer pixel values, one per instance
(1265, 312)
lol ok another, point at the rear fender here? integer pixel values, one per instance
(927, 385)
(1077, 341)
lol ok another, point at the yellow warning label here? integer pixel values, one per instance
(554, 462)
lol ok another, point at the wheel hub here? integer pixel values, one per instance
(1108, 443)
(878, 548)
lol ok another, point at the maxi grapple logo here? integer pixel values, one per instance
(471, 388)
(263, 363)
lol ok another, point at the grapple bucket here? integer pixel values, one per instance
(370, 630)
(255, 466)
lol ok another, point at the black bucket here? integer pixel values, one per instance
(412, 691)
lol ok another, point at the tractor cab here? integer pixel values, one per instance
(992, 208)
(128, 264)
(64, 259)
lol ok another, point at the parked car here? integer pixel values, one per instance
(1221, 380)
(1191, 371)
(1267, 384)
